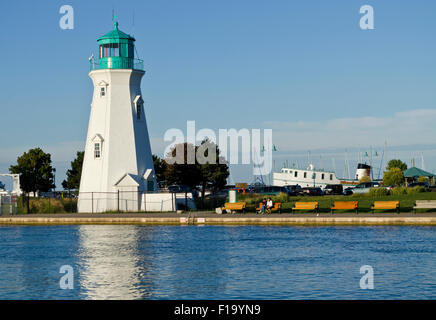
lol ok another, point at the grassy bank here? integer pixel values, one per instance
(47, 205)
(407, 201)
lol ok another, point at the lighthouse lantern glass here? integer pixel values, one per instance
(116, 51)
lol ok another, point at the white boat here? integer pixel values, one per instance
(3, 191)
(312, 177)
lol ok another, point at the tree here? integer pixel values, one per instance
(396, 163)
(207, 169)
(160, 167)
(75, 173)
(181, 171)
(36, 172)
(393, 177)
(214, 173)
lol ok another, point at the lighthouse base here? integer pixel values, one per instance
(133, 201)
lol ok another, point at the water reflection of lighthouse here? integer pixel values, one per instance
(110, 266)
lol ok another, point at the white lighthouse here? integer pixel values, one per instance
(118, 165)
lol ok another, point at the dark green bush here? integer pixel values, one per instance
(378, 192)
(415, 190)
(397, 191)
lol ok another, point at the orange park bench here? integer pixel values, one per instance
(258, 208)
(232, 207)
(277, 207)
(345, 205)
(313, 206)
(386, 205)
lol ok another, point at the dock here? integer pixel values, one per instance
(207, 218)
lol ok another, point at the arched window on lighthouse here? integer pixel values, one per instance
(103, 88)
(138, 111)
(138, 105)
(97, 150)
(97, 142)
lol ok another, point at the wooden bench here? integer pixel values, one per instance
(345, 205)
(277, 207)
(314, 206)
(386, 205)
(231, 207)
(424, 204)
(259, 207)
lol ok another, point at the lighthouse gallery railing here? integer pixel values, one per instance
(136, 64)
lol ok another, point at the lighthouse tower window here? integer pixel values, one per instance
(138, 104)
(109, 50)
(102, 91)
(138, 111)
(97, 150)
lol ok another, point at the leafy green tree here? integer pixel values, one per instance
(181, 171)
(214, 170)
(393, 177)
(160, 166)
(36, 172)
(75, 173)
(396, 163)
(205, 167)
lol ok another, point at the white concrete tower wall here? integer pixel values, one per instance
(124, 143)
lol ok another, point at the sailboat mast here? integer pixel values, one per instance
(422, 161)
(359, 156)
(347, 164)
(381, 162)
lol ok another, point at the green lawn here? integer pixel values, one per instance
(407, 201)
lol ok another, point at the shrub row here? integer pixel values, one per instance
(397, 191)
(45, 205)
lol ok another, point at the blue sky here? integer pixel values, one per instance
(303, 68)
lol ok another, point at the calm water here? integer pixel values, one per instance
(213, 262)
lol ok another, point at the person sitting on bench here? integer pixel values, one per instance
(263, 206)
(269, 205)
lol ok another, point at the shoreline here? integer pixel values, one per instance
(205, 218)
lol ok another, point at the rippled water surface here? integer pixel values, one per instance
(217, 262)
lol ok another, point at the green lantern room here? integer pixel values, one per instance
(116, 51)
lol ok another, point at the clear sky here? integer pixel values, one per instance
(303, 68)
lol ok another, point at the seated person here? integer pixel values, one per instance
(262, 206)
(269, 205)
